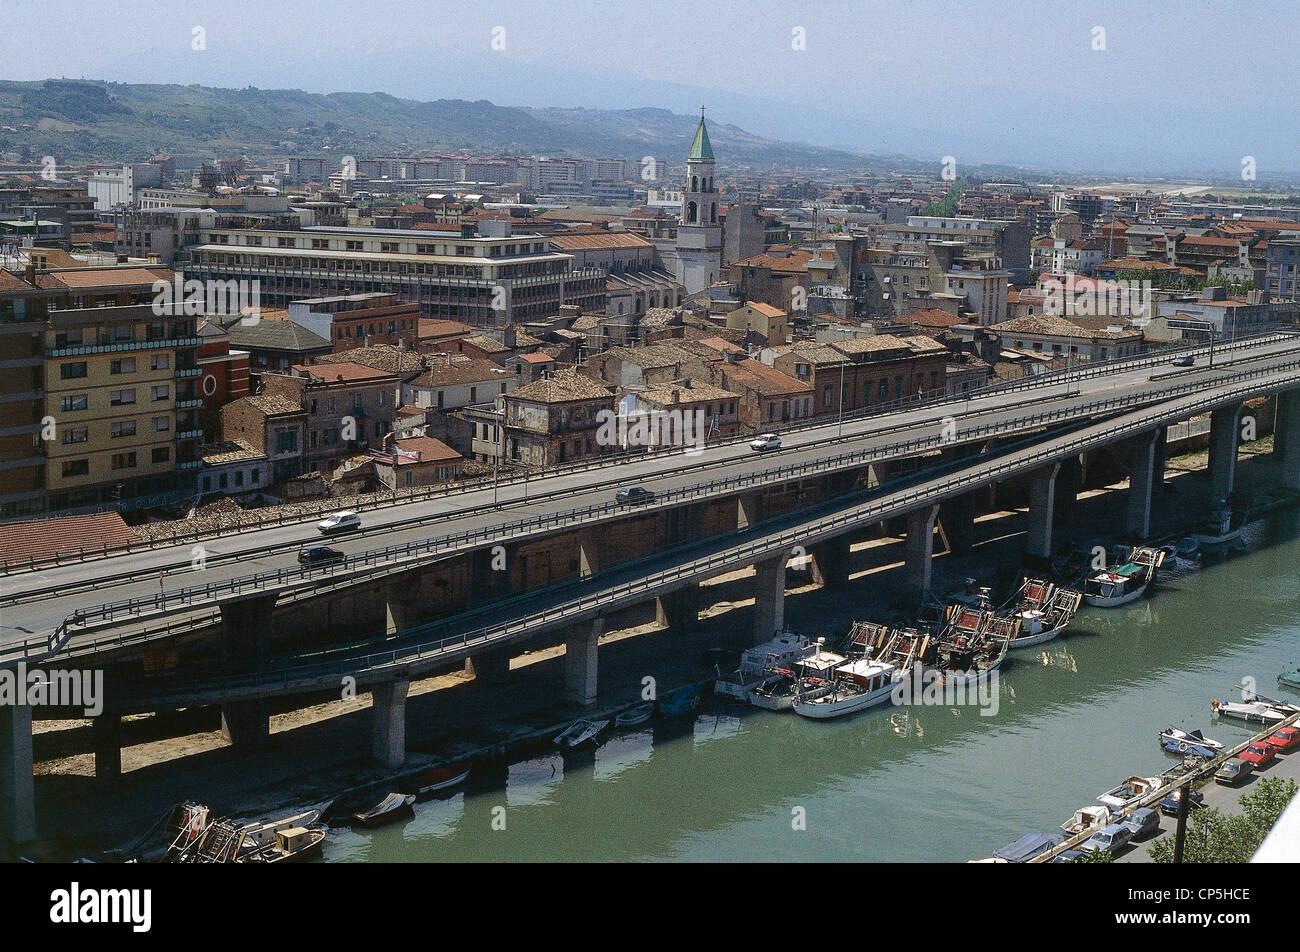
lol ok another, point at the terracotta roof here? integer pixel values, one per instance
(382, 357)
(762, 379)
(565, 386)
(1052, 326)
(765, 309)
(11, 282)
(933, 317)
(275, 335)
(427, 449)
(609, 239)
(271, 404)
(44, 538)
(794, 262)
(78, 279)
(344, 371)
(444, 374)
(440, 327)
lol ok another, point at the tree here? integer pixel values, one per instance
(1217, 837)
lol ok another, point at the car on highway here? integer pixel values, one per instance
(1111, 839)
(1257, 755)
(1143, 822)
(633, 495)
(765, 441)
(1284, 739)
(1233, 772)
(1169, 805)
(318, 555)
(1186, 360)
(346, 521)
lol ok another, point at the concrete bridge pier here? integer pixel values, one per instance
(829, 562)
(1224, 442)
(245, 723)
(769, 598)
(580, 662)
(245, 629)
(1042, 493)
(489, 574)
(1287, 434)
(1069, 480)
(1141, 484)
(396, 613)
(679, 610)
(1158, 464)
(388, 742)
(747, 510)
(919, 548)
(17, 798)
(106, 739)
(492, 667)
(957, 516)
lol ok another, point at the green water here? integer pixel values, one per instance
(1076, 716)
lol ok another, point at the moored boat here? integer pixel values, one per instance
(1257, 710)
(683, 700)
(438, 778)
(1126, 582)
(1289, 679)
(1134, 788)
(1178, 741)
(811, 676)
(1043, 611)
(635, 715)
(859, 684)
(1085, 818)
(292, 845)
(579, 732)
(392, 808)
(758, 663)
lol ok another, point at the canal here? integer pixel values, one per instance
(923, 783)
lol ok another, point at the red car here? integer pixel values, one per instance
(1258, 754)
(1284, 739)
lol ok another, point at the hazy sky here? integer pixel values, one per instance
(1180, 86)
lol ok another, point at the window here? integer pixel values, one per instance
(286, 440)
(123, 461)
(121, 428)
(76, 467)
(161, 424)
(160, 362)
(125, 365)
(161, 454)
(72, 371)
(75, 434)
(70, 403)
(161, 392)
(121, 397)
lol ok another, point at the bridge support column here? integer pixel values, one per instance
(1042, 493)
(746, 510)
(388, 701)
(1158, 464)
(1141, 481)
(679, 610)
(769, 598)
(1224, 437)
(489, 575)
(1069, 480)
(1287, 431)
(580, 662)
(958, 519)
(1283, 409)
(245, 723)
(918, 549)
(396, 615)
(17, 798)
(588, 554)
(106, 738)
(830, 562)
(492, 667)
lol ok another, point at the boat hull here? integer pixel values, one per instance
(1114, 601)
(1042, 637)
(820, 709)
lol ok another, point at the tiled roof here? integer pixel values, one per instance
(1053, 326)
(762, 379)
(610, 239)
(86, 278)
(443, 374)
(272, 404)
(275, 335)
(427, 448)
(564, 386)
(43, 538)
(383, 357)
(344, 371)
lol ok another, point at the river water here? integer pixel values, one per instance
(1075, 717)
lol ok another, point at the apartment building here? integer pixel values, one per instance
(121, 376)
(22, 405)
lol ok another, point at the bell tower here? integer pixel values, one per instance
(699, 235)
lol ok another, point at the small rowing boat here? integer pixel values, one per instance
(393, 807)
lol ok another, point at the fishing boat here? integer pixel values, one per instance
(683, 700)
(758, 663)
(1183, 742)
(292, 845)
(1134, 788)
(232, 840)
(1218, 532)
(1125, 582)
(1085, 818)
(859, 684)
(393, 807)
(635, 715)
(969, 646)
(579, 733)
(438, 778)
(1043, 611)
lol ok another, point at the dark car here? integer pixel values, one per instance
(1169, 805)
(1233, 772)
(318, 555)
(1186, 360)
(1143, 822)
(632, 495)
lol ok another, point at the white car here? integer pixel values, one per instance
(767, 441)
(339, 522)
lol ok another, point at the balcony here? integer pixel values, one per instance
(188, 465)
(121, 347)
(182, 435)
(194, 404)
(183, 373)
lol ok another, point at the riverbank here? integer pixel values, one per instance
(319, 751)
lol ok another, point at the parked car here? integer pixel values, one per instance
(1169, 805)
(318, 554)
(1257, 755)
(632, 495)
(339, 522)
(1110, 838)
(1233, 772)
(765, 441)
(1143, 822)
(1284, 739)
(1186, 360)
(1067, 856)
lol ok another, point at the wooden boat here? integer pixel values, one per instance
(1188, 551)
(859, 684)
(1134, 788)
(757, 663)
(635, 715)
(579, 733)
(684, 700)
(438, 778)
(292, 845)
(393, 807)
(972, 644)
(1125, 582)
(1085, 818)
(231, 841)
(1218, 531)
(1043, 610)
(1183, 742)
(811, 677)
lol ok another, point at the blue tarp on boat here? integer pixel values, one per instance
(1029, 846)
